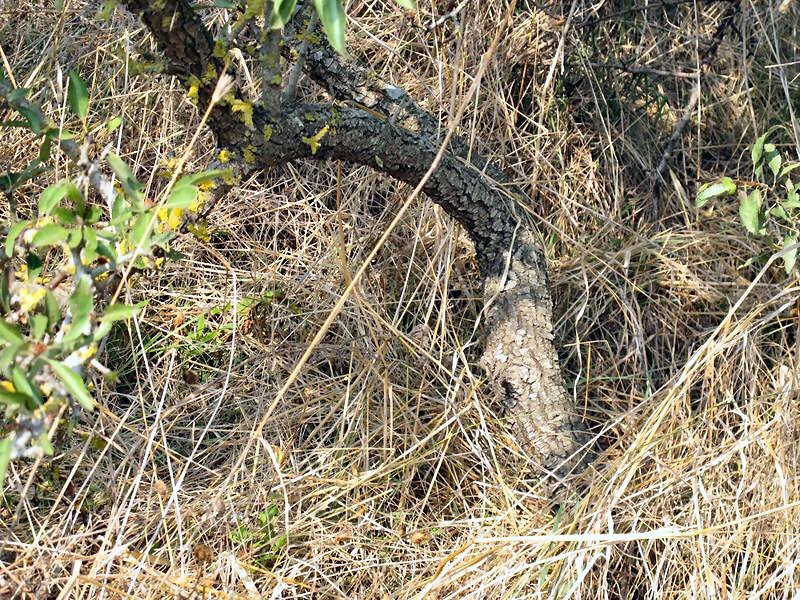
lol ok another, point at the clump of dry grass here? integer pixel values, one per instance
(384, 468)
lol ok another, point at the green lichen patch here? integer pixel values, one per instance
(249, 154)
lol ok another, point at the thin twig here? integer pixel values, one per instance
(635, 70)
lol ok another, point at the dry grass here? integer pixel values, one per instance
(386, 471)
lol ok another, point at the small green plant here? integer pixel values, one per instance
(60, 267)
(263, 538)
(768, 205)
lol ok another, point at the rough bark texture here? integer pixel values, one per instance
(519, 355)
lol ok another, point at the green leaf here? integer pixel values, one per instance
(5, 457)
(113, 124)
(80, 302)
(793, 198)
(35, 123)
(13, 233)
(79, 327)
(790, 258)
(202, 177)
(80, 305)
(282, 11)
(757, 150)
(89, 239)
(279, 542)
(789, 167)
(773, 158)
(34, 264)
(102, 330)
(73, 382)
(725, 186)
(45, 148)
(779, 211)
(17, 399)
(93, 214)
(119, 312)
(65, 216)
(5, 291)
(52, 309)
(22, 385)
(38, 326)
(74, 238)
(9, 333)
(141, 230)
(53, 194)
(333, 19)
(49, 235)
(9, 355)
(107, 251)
(19, 94)
(407, 4)
(77, 95)
(132, 187)
(750, 211)
(119, 210)
(181, 197)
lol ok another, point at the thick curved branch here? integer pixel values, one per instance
(519, 356)
(351, 81)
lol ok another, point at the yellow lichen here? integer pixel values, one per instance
(86, 352)
(194, 89)
(7, 386)
(30, 296)
(249, 154)
(229, 178)
(224, 155)
(171, 218)
(267, 132)
(244, 107)
(314, 140)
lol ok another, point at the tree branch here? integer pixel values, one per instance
(269, 55)
(519, 356)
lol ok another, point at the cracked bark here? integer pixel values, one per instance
(519, 356)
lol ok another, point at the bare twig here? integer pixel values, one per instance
(448, 15)
(636, 70)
